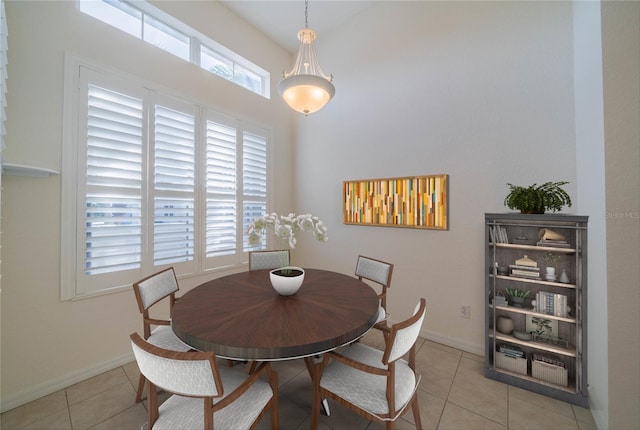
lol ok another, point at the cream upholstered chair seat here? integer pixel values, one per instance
(179, 412)
(204, 395)
(268, 259)
(365, 390)
(164, 337)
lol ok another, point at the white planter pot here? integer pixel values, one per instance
(287, 284)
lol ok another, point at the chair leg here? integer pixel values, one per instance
(141, 382)
(416, 412)
(275, 419)
(316, 400)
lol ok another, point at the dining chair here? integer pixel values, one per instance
(150, 291)
(376, 384)
(268, 259)
(204, 395)
(379, 272)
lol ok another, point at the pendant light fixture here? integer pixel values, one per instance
(306, 88)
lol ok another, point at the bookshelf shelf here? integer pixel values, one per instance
(534, 248)
(534, 281)
(569, 352)
(530, 312)
(560, 314)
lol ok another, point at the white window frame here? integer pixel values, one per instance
(196, 41)
(76, 285)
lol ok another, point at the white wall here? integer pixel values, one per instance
(48, 344)
(591, 192)
(621, 72)
(482, 91)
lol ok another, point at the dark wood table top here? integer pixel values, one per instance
(241, 316)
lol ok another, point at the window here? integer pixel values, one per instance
(138, 196)
(150, 24)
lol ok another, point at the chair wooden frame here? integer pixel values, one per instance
(320, 393)
(147, 320)
(264, 252)
(263, 370)
(384, 282)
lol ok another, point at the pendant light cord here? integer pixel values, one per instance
(306, 13)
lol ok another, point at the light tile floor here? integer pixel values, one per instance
(453, 394)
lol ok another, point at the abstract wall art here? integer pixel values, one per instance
(413, 202)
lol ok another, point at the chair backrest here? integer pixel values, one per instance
(150, 291)
(154, 288)
(191, 373)
(374, 270)
(268, 259)
(403, 335)
(377, 271)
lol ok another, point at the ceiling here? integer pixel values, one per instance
(280, 20)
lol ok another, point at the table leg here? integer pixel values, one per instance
(313, 366)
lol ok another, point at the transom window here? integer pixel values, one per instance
(142, 20)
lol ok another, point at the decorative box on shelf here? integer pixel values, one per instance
(551, 340)
(511, 363)
(548, 368)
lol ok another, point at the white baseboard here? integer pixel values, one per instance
(37, 391)
(463, 345)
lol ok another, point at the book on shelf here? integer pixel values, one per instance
(511, 350)
(498, 234)
(525, 272)
(554, 243)
(522, 271)
(500, 301)
(529, 268)
(551, 304)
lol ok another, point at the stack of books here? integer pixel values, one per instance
(511, 350)
(551, 304)
(520, 271)
(554, 243)
(499, 300)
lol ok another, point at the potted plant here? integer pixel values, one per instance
(286, 280)
(517, 296)
(536, 199)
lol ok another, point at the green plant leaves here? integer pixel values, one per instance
(536, 198)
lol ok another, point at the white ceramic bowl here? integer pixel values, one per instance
(286, 285)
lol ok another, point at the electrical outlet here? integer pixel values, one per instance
(465, 311)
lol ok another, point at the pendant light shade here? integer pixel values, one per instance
(306, 89)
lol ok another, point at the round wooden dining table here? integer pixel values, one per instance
(242, 317)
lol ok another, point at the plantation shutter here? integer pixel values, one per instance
(254, 181)
(221, 189)
(174, 186)
(151, 180)
(112, 224)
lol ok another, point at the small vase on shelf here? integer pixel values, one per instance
(550, 274)
(504, 325)
(564, 278)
